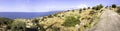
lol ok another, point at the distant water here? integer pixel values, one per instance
(28, 15)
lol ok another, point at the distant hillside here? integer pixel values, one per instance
(71, 20)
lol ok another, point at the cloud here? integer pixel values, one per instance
(82, 6)
(47, 8)
(22, 8)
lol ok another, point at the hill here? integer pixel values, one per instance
(71, 20)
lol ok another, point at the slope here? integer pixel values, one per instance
(109, 21)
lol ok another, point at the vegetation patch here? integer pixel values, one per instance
(71, 21)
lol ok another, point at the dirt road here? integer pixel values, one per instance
(109, 21)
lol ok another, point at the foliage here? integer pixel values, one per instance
(56, 29)
(50, 16)
(114, 6)
(118, 11)
(106, 7)
(88, 7)
(18, 25)
(43, 18)
(71, 21)
(84, 8)
(73, 10)
(59, 21)
(92, 12)
(5, 21)
(98, 7)
(80, 10)
(55, 14)
(93, 7)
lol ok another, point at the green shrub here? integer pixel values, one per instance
(5, 21)
(55, 14)
(44, 17)
(18, 26)
(50, 16)
(71, 21)
(56, 29)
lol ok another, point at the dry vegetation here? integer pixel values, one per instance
(71, 20)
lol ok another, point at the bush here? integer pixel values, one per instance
(114, 6)
(44, 18)
(55, 14)
(92, 12)
(56, 29)
(118, 11)
(73, 10)
(106, 7)
(80, 10)
(84, 8)
(50, 16)
(5, 21)
(18, 25)
(71, 21)
(88, 7)
(93, 7)
(68, 10)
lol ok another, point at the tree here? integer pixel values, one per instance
(114, 6)
(99, 7)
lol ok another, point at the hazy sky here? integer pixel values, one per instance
(49, 5)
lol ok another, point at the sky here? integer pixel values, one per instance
(50, 5)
